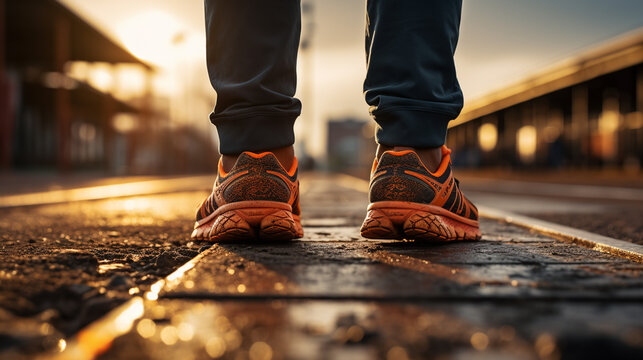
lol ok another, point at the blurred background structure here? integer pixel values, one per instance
(586, 112)
(74, 99)
(55, 112)
(115, 87)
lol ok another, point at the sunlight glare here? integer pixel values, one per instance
(150, 35)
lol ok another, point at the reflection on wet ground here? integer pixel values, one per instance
(335, 295)
(281, 329)
(66, 265)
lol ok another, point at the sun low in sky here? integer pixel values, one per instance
(158, 37)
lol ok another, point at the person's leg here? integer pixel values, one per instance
(411, 84)
(251, 58)
(413, 93)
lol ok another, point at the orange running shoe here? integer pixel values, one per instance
(409, 201)
(257, 199)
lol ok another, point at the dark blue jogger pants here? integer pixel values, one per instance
(410, 85)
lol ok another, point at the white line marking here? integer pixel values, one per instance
(580, 237)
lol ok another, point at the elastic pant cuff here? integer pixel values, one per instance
(411, 128)
(255, 133)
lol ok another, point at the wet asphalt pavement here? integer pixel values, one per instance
(607, 209)
(330, 295)
(66, 265)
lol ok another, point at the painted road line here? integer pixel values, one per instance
(97, 337)
(580, 237)
(576, 236)
(147, 187)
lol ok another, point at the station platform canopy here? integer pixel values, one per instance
(617, 54)
(42, 33)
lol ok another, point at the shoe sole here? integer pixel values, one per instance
(250, 220)
(415, 221)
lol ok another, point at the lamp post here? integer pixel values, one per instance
(308, 27)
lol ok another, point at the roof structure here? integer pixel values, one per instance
(31, 30)
(618, 54)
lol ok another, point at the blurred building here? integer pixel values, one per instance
(586, 112)
(49, 118)
(351, 146)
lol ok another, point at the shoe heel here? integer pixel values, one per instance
(397, 220)
(251, 221)
(280, 225)
(230, 226)
(379, 225)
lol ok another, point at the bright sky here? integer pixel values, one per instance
(501, 42)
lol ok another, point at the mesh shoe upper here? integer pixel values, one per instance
(253, 177)
(401, 176)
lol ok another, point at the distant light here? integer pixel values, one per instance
(62, 345)
(397, 353)
(86, 132)
(260, 351)
(130, 81)
(169, 335)
(608, 122)
(78, 70)
(526, 139)
(215, 347)
(100, 77)
(487, 136)
(124, 123)
(146, 328)
(56, 80)
(545, 345)
(185, 331)
(479, 341)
